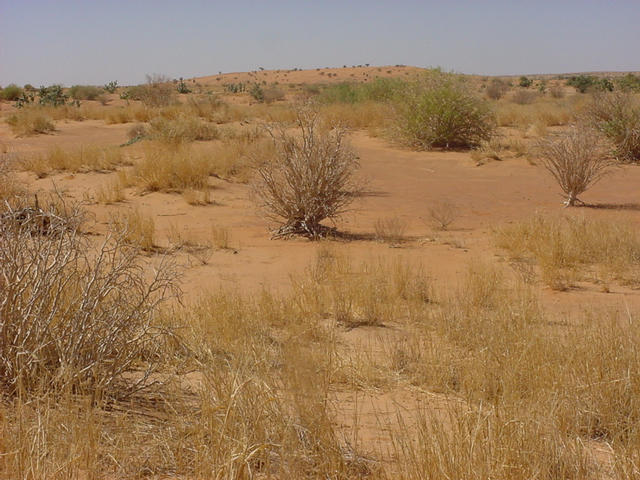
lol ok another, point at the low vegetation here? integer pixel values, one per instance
(576, 160)
(567, 249)
(30, 121)
(440, 111)
(84, 159)
(309, 179)
(617, 116)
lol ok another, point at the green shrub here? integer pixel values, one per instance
(617, 116)
(629, 82)
(111, 86)
(11, 92)
(52, 95)
(439, 110)
(380, 90)
(256, 92)
(182, 87)
(525, 82)
(85, 92)
(584, 83)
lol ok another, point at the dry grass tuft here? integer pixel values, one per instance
(138, 229)
(390, 230)
(570, 248)
(85, 159)
(30, 121)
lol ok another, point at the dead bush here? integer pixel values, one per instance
(524, 97)
(497, 88)
(309, 179)
(576, 159)
(442, 214)
(72, 318)
(390, 230)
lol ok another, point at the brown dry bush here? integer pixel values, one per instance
(496, 89)
(309, 179)
(577, 160)
(443, 213)
(73, 319)
(390, 230)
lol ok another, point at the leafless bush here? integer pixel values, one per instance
(309, 179)
(390, 230)
(442, 214)
(556, 91)
(524, 97)
(577, 160)
(72, 317)
(497, 88)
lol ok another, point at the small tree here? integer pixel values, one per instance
(309, 179)
(577, 160)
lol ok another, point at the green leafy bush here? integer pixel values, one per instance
(617, 116)
(629, 82)
(379, 90)
(111, 86)
(52, 96)
(11, 92)
(525, 82)
(439, 110)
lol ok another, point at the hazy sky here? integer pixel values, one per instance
(94, 41)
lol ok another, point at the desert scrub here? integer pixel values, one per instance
(182, 129)
(574, 247)
(30, 121)
(439, 110)
(310, 178)
(172, 170)
(576, 159)
(89, 158)
(617, 116)
(74, 318)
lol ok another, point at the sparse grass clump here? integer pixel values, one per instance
(181, 130)
(569, 248)
(85, 159)
(136, 229)
(30, 121)
(440, 111)
(390, 230)
(86, 92)
(172, 170)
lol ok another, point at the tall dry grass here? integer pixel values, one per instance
(88, 158)
(570, 248)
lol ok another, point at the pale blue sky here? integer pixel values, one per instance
(92, 42)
